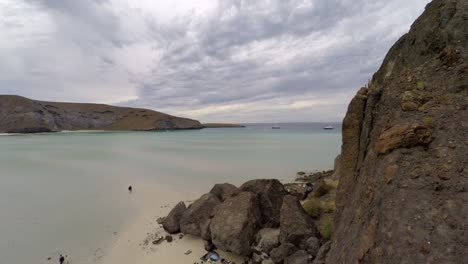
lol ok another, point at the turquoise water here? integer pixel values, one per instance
(65, 192)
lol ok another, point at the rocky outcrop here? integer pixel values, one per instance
(270, 194)
(172, 222)
(232, 219)
(198, 213)
(22, 115)
(236, 223)
(296, 226)
(402, 195)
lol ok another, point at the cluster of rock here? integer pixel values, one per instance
(259, 220)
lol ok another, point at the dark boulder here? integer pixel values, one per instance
(296, 225)
(280, 253)
(312, 245)
(299, 257)
(224, 190)
(270, 193)
(172, 222)
(197, 213)
(235, 223)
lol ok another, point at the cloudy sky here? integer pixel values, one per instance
(213, 60)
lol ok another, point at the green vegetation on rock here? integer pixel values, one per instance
(428, 121)
(420, 85)
(325, 226)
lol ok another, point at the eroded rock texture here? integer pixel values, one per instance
(403, 188)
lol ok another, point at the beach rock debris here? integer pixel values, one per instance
(258, 220)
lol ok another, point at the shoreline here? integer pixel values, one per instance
(133, 243)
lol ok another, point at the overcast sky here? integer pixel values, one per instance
(213, 60)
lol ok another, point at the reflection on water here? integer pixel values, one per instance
(67, 191)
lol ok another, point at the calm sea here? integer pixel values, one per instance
(66, 192)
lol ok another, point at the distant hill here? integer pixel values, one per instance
(22, 115)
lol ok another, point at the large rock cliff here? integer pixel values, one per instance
(22, 115)
(403, 193)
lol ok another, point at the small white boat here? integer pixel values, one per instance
(275, 127)
(328, 128)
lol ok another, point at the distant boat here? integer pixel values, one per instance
(275, 127)
(328, 128)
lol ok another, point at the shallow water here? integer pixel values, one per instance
(66, 192)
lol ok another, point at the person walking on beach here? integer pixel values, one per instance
(61, 259)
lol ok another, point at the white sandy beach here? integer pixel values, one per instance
(134, 243)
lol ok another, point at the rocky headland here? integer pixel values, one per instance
(402, 196)
(22, 115)
(399, 191)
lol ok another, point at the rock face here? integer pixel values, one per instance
(270, 194)
(402, 196)
(235, 223)
(198, 213)
(403, 136)
(22, 115)
(296, 226)
(172, 222)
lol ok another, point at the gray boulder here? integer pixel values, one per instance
(267, 239)
(197, 213)
(270, 193)
(279, 254)
(312, 245)
(235, 223)
(299, 257)
(224, 190)
(172, 222)
(296, 225)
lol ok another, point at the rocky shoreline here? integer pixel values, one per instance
(264, 221)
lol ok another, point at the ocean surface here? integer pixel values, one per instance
(66, 192)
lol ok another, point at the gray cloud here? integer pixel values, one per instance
(240, 61)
